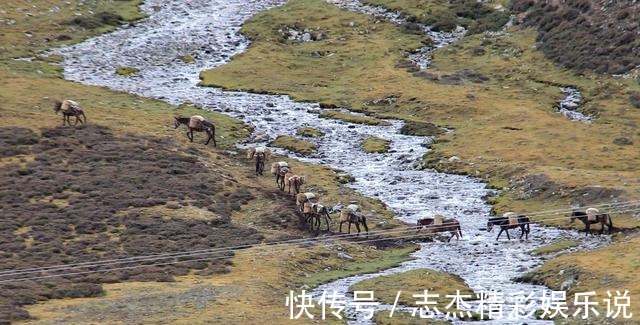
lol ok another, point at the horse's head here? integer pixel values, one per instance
(574, 215)
(177, 122)
(489, 225)
(57, 106)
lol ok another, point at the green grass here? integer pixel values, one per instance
(309, 132)
(555, 247)
(294, 144)
(389, 258)
(127, 71)
(411, 282)
(76, 20)
(375, 145)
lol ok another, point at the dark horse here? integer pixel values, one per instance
(70, 108)
(522, 222)
(603, 219)
(350, 216)
(319, 212)
(451, 225)
(206, 126)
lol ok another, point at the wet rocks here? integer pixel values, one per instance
(298, 35)
(570, 104)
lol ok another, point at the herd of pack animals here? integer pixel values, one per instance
(313, 212)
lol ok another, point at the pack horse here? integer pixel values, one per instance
(70, 108)
(197, 123)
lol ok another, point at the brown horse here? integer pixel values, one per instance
(351, 215)
(262, 154)
(296, 181)
(508, 221)
(198, 124)
(440, 224)
(592, 216)
(280, 170)
(70, 108)
(319, 212)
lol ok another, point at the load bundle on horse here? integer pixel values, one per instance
(305, 201)
(195, 122)
(259, 153)
(262, 154)
(279, 166)
(592, 214)
(70, 108)
(512, 217)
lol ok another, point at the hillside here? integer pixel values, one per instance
(586, 35)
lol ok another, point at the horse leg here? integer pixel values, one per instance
(610, 224)
(500, 233)
(213, 136)
(208, 138)
(340, 230)
(366, 228)
(507, 231)
(358, 227)
(349, 230)
(587, 229)
(602, 226)
(521, 231)
(76, 123)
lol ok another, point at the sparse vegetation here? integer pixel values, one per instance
(352, 118)
(387, 287)
(598, 36)
(375, 145)
(294, 144)
(442, 15)
(309, 132)
(555, 247)
(127, 71)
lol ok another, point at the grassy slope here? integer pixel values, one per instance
(518, 95)
(607, 269)
(29, 89)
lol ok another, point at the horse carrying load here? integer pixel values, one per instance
(70, 108)
(305, 202)
(261, 154)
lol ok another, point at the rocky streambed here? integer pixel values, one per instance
(208, 31)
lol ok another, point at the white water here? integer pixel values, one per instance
(570, 104)
(208, 30)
